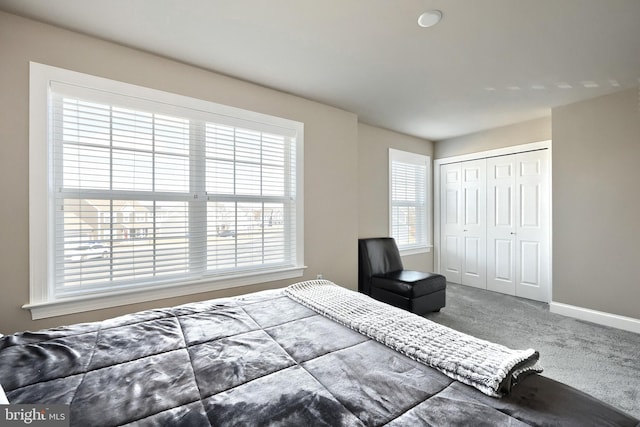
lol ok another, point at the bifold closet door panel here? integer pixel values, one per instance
(451, 222)
(532, 225)
(501, 224)
(474, 223)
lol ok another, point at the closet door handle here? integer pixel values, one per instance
(513, 233)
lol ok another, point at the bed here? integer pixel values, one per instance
(272, 358)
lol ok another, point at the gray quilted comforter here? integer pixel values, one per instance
(260, 359)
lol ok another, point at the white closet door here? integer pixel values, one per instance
(451, 222)
(501, 226)
(532, 225)
(474, 224)
(518, 225)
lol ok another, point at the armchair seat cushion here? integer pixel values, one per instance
(409, 283)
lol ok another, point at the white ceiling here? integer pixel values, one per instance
(488, 63)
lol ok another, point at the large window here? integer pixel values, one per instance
(408, 204)
(149, 190)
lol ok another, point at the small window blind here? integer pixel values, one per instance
(408, 199)
(147, 192)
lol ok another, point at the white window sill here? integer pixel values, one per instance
(415, 251)
(79, 304)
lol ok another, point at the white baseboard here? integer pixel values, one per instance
(599, 317)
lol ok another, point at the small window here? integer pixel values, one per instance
(408, 204)
(147, 190)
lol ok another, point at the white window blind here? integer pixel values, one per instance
(408, 190)
(147, 193)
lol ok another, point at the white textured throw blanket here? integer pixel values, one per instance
(491, 368)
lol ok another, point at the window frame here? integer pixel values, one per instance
(43, 301)
(420, 159)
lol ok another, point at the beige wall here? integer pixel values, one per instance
(331, 156)
(373, 171)
(596, 204)
(506, 136)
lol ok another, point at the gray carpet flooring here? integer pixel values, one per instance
(601, 361)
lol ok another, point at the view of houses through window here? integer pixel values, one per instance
(137, 239)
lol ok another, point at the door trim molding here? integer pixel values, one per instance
(514, 149)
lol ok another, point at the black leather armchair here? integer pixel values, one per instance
(382, 276)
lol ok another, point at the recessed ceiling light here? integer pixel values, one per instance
(589, 84)
(614, 83)
(564, 85)
(513, 88)
(429, 18)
